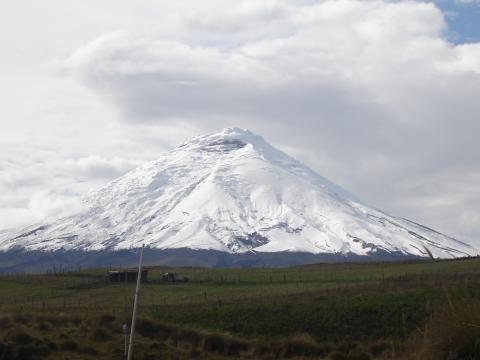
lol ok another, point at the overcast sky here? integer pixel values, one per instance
(382, 97)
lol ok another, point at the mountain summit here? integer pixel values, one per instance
(232, 192)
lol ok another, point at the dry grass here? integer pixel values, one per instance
(452, 333)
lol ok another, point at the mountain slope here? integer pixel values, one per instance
(232, 192)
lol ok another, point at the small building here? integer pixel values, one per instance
(128, 275)
(174, 277)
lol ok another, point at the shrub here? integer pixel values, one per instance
(263, 348)
(77, 321)
(44, 326)
(224, 345)
(5, 322)
(21, 319)
(55, 320)
(378, 348)
(69, 345)
(153, 330)
(50, 344)
(149, 356)
(155, 346)
(358, 355)
(147, 328)
(236, 347)
(106, 319)
(194, 354)
(21, 338)
(303, 345)
(215, 343)
(194, 338)
(34, 351)
(101, 334)
(6, 351)
(84, 328)
(19, 345)
(337, 355)
(453, 333)
(89, 350)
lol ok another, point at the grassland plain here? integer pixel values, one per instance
(407, 310)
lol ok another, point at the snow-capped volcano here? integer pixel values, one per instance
(233, 192)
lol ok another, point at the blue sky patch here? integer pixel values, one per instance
(463, 19)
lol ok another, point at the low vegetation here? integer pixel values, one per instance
(409, 310)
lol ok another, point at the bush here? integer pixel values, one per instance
(358, 355)
(262, 348)
(149, 356)
(106, 319)
(101, 334)
(44, 326)
(89, 350)
(236, 347)
(147, 328)
(35, 351)
(194, 338)
(303, 345)
(5, 322)
(77, 321)
(84, 328)
(21, 319)
(156, 346)
(215, 343)
(378, 348)
(194, 354)
(224, 345)
(337, 355)
(453, 333)
(69, 345)
(19, 345)
(21, 338)
(153, 330)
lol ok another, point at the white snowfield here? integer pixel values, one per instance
(231, 191)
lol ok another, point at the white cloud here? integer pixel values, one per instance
(371, 55)
(55, 203)
(12, 217)
(32, 191)
(445, 198)
(98, 167)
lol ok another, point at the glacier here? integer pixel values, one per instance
(231, 191)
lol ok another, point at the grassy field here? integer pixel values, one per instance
(409, 310)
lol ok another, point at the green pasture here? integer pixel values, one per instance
(331, 308)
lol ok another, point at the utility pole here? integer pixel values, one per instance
(125, 332)
(135, 306)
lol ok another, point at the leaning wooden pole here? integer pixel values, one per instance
(135, 306)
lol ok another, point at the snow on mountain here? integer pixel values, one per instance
(231, 191)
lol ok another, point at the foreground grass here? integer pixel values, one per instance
(335, 311)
